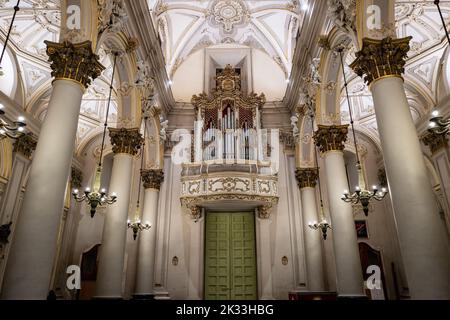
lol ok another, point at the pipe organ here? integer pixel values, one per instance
(230, 121)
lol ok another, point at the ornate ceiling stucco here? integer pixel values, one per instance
(186, 26)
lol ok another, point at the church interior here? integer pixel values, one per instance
(224, 150)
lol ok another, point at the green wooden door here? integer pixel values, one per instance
(230, 257)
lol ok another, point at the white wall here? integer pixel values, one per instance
(264, 74)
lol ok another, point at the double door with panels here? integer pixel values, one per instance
(230, 257)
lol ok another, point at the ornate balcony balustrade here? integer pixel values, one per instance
(225, 187)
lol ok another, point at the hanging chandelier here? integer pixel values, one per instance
(323, 225)
(14, 130)
(136, 225)
(438, 124)
(361, 195)
(16, 9)
(96, 197)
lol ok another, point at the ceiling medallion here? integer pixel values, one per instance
(228, 13)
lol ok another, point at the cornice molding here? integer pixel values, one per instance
(307, 45)
(141, 26)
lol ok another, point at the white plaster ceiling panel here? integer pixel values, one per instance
(34, 76)
(85, 127)
(185, 26)
(424, 72)
(36, 21)
(422, 22)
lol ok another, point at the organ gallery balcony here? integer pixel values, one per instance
(228, 187)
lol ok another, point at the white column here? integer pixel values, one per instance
(350, 283)
(423, 241)
(145, 276)
(264, 258)
(348, 264)
(112, 250)
(23, 148)
(33, 250)
(313, 238)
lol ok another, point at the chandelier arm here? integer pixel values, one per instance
(16, 9)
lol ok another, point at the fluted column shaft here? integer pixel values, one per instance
(307, 179)
(423, 242)
(112, 252)
(350, 281)
(33, 250)
(147, 239)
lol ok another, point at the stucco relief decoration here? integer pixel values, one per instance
(229, 185)
(343, 14)
(228, 13)
(143, 80)
(112, 15)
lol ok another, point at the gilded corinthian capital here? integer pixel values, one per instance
(126, 140)
(74, 61)
(331, 138)
(435, 141)
(25, 145)
(152, 179)
(381, 58)
(307, 177)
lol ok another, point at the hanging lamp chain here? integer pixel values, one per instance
(105, 126)
(316, 158)
(142, 163)
(16, 10)
(352, 122)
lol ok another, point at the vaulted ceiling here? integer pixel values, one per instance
(186, 26)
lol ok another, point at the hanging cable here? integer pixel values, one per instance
(16, 10)
(95, 197)
(361, 195)
(323, 225)
(352, 122)
(137, 226)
